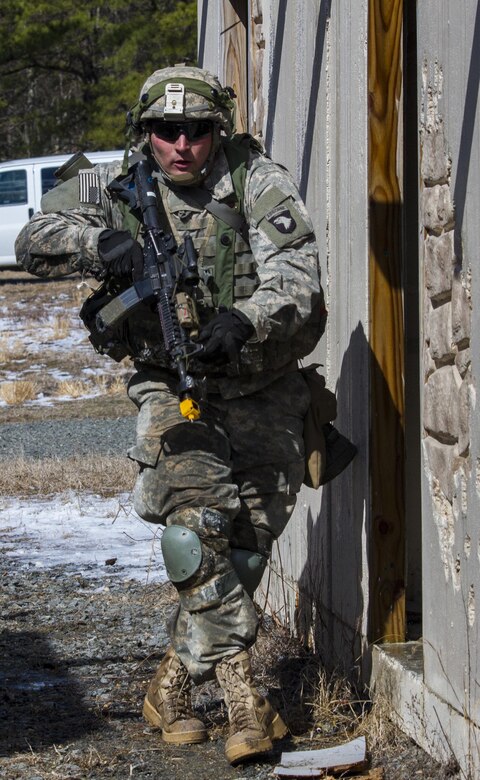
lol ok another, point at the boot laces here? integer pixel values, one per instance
(242, 714)
(177, 693)
(242, 717)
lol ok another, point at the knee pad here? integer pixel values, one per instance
(249, 567)
(196, 553)
(182, 552)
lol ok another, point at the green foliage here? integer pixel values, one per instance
(70, 70)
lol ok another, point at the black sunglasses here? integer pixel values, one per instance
(170, 131)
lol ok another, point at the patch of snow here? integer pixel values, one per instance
(34, 347)
(81, 532)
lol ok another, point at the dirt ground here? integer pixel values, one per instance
(77, 650)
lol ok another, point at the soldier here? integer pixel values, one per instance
(225, 485)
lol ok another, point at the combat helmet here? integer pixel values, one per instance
(183, 92)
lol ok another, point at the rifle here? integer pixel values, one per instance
(170, 279)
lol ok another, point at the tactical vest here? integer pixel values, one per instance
(227, 275)
(226, 263)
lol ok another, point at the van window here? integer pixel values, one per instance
(48, 179)
(13, 187)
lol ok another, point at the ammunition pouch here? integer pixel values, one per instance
(109, 341)
(327, 451)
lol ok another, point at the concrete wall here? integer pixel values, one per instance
(448, 84)
(307, 74)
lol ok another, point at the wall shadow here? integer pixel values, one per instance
(275, 74)
(330, 600)
(466, 138)
(273, 86)
(202, 31)
(344, 554)
(40, 702)
(323, 17)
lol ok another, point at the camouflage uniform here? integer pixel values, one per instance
(232, 476)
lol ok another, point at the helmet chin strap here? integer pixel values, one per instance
(189, 179)
(183, 178)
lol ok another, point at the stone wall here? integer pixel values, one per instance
(447, 329)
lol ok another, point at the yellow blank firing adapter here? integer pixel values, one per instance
(190, 409)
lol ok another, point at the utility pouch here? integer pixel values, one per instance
(106, 341)
(327, 451)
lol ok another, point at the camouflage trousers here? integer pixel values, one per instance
(232, 478)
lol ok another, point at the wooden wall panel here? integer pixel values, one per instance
(308, 83)
(222, 48)
(315, 88)
(235, 65)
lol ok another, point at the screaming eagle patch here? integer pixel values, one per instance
(281, 219)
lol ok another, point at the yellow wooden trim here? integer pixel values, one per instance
(387, 556)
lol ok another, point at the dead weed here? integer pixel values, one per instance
(104, 475)
(18, 391)
(325, 705)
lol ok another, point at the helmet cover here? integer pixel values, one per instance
(183, 93)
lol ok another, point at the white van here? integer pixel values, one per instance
(22, 184)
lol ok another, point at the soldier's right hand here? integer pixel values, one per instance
(119, 252)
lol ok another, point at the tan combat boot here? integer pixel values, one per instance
(167, 703)
(253, 721)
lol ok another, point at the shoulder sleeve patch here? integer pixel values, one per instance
(279, 217)
(79, 192)
(89, 188)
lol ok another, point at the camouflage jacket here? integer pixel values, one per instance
(277, 276)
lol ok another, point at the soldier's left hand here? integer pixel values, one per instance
(224, 337)
(119, 252)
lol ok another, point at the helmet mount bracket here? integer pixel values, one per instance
(174, 100)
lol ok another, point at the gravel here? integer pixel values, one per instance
(76, 655)
(66, 438)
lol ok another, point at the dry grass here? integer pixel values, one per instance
(335, 707)
(102, 384)
(380, 732)
(19, 391)
(73, 388)
(11, 350)
(99, 408)
(117, 384)
(61, 327)
(109, 385)
(338, 709)
(104, 475)
(29, 302)
(327, 706)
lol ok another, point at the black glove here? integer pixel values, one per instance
(224, 337)
(119, 252)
